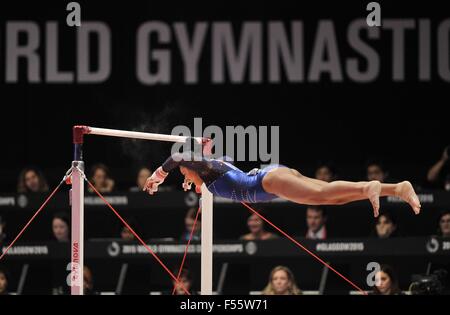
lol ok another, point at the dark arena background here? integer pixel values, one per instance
(340, 100)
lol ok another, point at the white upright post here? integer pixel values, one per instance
(77, 246)
(207, 241)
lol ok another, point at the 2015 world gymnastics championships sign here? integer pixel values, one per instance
(225, 52)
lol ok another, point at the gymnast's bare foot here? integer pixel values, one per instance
(405, 191)
(372, 190)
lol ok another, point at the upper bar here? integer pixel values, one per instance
(79, 131)
(137, 135)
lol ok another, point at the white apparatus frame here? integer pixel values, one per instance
(77, 197)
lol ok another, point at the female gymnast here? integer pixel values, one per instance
(259, 185)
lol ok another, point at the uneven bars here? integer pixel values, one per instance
(78, 202)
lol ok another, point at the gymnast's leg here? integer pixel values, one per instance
(403, 190)
(291, 185)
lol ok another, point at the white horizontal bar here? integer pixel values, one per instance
(138, 135)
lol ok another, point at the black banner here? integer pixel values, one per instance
(347, 248)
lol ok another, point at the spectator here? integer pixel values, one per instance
(101, 178)
(2, 230)
(316, 219)
(439, 173)
(31, 180)
(88, 282)
(4, 280)
(386, 282)
(142, 176)
(447, 182)
(376, 171)
(325, 172)
(61, 227)
(281, 282)
(444, 224)
(386, 226)
(189, 220)
(257, 230)
(125, 233)
(185, 279)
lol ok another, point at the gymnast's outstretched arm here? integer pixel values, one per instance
(185, 160)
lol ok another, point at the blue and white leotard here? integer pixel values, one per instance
(224, 179)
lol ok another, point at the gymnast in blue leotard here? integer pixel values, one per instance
(223, 178)
(260, 185)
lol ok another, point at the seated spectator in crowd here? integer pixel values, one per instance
(281, 282)
(88, 282)
(316, 219)
(125, 233)
(189, 220)
(142, 175)
(376, 171)
(447, 182)
(386, 226)
(185, 280)
(325, 172)
(61, 227)
(444, 224)
(4, 280)
(2, 230)
(257, 230)
(439, 174)
(386, 282)
(31, 180)
(101, 178)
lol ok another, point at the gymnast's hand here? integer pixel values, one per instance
(254, 172)
(157, 178)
